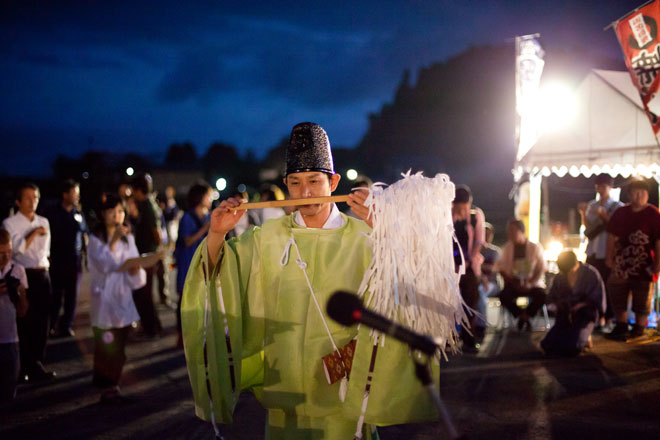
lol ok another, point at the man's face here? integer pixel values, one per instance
(603, 189)
(71, 197)
(461, 211)
(639, 197)
(5, 254)
(125, 191)
(310, 184)
(29, 201)
(138, 195)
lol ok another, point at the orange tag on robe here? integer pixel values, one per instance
(337, 366)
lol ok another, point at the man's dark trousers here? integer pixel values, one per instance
(33, 327)
(65, 279)
(144, 303)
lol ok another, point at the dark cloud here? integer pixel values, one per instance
(303, 65)
(333, 59)
(206, 70)
(56, 59)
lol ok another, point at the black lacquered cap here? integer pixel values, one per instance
(308, 150)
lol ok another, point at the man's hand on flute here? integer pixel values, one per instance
(356, 201)
(223, 220)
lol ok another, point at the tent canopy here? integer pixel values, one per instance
(611, 133)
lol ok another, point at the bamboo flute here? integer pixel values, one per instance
(290, 202)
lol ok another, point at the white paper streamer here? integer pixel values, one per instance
(412, 276)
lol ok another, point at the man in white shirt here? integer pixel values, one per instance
(13, 303)
(30, 236)
(595, 217)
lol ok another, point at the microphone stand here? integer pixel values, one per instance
(423, 373)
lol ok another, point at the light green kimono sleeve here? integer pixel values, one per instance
(222, 341)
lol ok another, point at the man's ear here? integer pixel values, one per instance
(334, 181)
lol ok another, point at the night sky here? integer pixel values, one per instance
(140, 75)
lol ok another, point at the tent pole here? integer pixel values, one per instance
(534, 231)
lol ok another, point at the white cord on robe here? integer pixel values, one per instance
(412, 278)
(204, 337)
(343, 384)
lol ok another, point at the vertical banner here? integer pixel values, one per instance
(638, 35)
(529, 67)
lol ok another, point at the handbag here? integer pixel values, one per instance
(592, 231)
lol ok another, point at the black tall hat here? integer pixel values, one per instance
(308, 150)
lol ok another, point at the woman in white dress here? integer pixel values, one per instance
(114, 269)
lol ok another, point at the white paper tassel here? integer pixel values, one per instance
(412, 276)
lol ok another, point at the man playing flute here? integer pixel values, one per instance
(254, 315)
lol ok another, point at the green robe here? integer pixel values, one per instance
(277, 337)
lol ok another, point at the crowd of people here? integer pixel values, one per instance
(134, 239)
(622, 263)
(135, 236)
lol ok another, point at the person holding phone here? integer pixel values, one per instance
(115, 270)
(30, 237)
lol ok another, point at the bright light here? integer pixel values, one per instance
(221, 184)
(352, 174)
(615, 193)
(522, 301)
(215, 195)
(557, 107)
(553, 250)
(130, 171)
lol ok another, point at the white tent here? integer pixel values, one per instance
(611, 133)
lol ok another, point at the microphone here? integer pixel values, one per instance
(347, 309)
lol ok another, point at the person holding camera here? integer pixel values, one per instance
(13, 303)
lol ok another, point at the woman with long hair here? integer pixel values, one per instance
(115, 270)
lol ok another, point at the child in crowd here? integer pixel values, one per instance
(13, 302)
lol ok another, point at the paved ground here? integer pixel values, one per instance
(508, 391)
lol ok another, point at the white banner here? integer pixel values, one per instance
(529, 67)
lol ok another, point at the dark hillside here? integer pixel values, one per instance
(458, 118)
